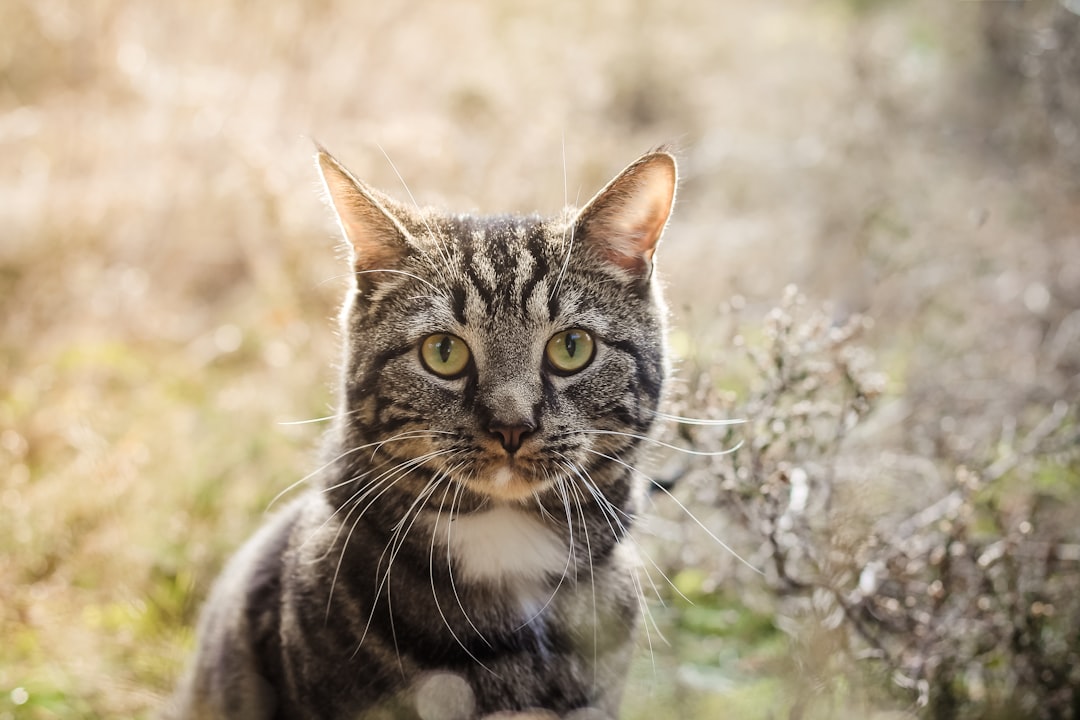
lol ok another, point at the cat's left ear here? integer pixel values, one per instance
(624, 221)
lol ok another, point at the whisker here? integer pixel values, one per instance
(698, 421)
(438, 606)
(387, 478)
(407, 435)
(397, 541)
(540, 503)
(608, 509)
(441, 246)
(403, 463)
(398, 272)
(450, 564)
(385, 582)
(646, 613)
(393, 546)
(646, 438)
(573, 228)
(689, 514)
(332, 278)
(355, 479)
(352, 502)
(310, 475)
(592, 576)
(602, 502)
(571, 552)
(566, 261)
(646, 616)
(399, 470)
(307, 422)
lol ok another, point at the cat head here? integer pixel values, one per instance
(502, 356)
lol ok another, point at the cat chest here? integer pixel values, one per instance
(505, 546)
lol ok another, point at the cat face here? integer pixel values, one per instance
(503, 356)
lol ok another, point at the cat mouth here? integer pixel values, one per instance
(508, 480)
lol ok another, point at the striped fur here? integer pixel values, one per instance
(435, 559)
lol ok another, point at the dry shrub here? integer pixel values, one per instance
(962, 581)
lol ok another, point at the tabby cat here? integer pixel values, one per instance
(465, 551)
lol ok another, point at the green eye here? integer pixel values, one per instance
(445, 355)
(570, 351)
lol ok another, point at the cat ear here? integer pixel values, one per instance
(625, 220)
(378, 239)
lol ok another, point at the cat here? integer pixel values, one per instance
(466, 549)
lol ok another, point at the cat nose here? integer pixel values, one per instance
(511, 436)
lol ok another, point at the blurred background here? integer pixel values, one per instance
(169, 279)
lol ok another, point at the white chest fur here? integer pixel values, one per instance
(504, 545)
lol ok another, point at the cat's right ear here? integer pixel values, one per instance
(625, 220)
(377, 238)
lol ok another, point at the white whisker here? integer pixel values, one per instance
(450, 564)
(646, 617)
(396, 542)
(442, 614)
(611, 512)
(307, 422)
(689, 514)
(571, 552)
(407, 435)
(441, 246)
(699, 421)
(384, 480)
(573, 228)
(399, 470)
(310, 475)
(592, 576)
(398, 272)
(565, 263)
(646, 438)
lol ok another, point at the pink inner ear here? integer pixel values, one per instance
(376, 242)
(625, 220)
(376, 237)
(630, 250)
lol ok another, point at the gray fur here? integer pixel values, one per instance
(432, 573)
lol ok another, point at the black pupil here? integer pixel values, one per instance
(443, 346)
(571, 344)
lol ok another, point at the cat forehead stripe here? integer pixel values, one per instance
(481, 261)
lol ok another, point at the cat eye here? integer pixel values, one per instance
(444, 355)
(570, 351)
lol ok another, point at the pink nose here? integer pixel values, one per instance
(511, 436)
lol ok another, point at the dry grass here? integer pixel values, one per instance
(168, 274)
